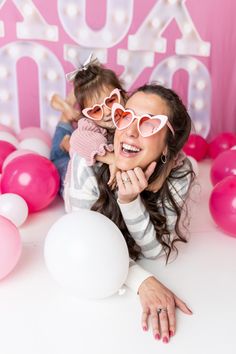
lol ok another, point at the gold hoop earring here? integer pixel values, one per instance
(163, 159)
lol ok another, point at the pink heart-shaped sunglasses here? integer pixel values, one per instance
(147, 125)
(96, 111)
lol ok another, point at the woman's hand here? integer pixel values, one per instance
(159, 303)
(132, 182)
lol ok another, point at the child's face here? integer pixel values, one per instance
(95, 106)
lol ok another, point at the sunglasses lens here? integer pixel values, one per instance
(95, 113)
(122, 119)
(149, 126)
(111, 100)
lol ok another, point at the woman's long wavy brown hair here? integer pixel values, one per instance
(107, 203)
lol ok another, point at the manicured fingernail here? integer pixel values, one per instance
(171, 333)
(144, 328)
(157, 336)
(165, 340)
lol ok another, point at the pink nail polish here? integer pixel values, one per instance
(171, 333)
(157, 336)
(145, 328)
(165, 340)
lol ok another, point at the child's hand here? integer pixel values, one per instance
(132, 182)
(65, 143)
(112, 181)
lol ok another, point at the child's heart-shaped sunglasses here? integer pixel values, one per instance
(147, 125)
(96, 112)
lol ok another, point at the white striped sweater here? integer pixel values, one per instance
(81, 191)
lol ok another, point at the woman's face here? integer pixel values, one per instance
(131, 149)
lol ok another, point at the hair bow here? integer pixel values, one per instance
(92, 60)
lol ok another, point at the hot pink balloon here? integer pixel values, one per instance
(5, 150)
(5, 128)
(222, 205)
(15, 154)
(221, 143)
(34, 178)
(223, 166)
(10, 246)
(196, 146)
(35, 132)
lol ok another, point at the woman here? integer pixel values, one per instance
(152, 184)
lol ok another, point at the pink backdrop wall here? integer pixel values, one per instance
(204, 77)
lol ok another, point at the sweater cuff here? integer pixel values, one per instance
(135, 207)
(136, 276)
(101, 151)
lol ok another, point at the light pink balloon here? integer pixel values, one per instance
(15, 154)
(10, 246)
(35, 132)
(5, 128)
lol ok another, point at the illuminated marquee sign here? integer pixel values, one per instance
(139, 54)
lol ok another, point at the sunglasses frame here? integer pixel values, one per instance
(101, 105)
(161, 117)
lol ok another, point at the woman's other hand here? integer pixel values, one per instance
(159, 304)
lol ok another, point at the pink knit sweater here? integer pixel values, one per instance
(89, 140)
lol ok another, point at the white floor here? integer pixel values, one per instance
(38, 317)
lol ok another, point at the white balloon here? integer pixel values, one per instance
(8, 137)
(86, 253)
(36, 145)
(194, 165)
(14, 208)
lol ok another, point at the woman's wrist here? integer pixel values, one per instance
(127, 200)
(147, 283)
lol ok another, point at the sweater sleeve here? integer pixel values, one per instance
(140, 227)
(89, 140)
(136, 276)
(138, 221)
(81, 189)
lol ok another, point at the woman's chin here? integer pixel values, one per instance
(125, 165)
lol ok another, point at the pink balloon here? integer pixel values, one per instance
(196, 146)
(223, 166)
(35, 132)
(15, 154)
(5, 128)
(5, 150)
(222, 205)
(221, 143)
(10, 246)
(34, 178)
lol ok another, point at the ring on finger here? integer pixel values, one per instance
(126, 180)
(161, 309)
